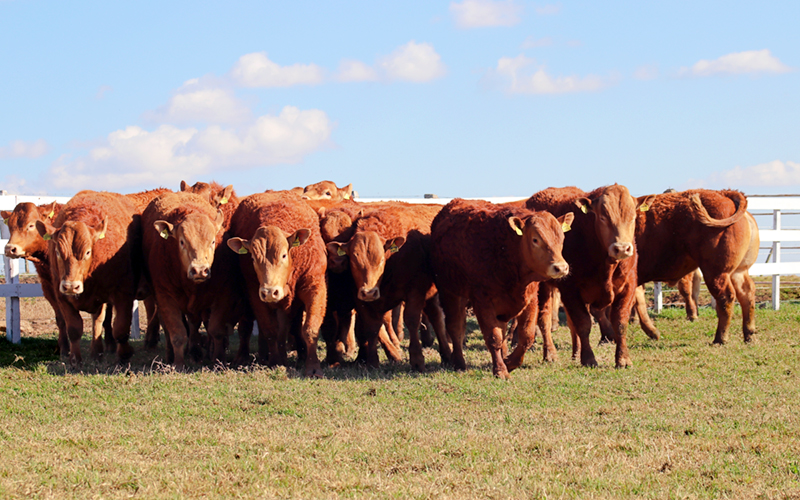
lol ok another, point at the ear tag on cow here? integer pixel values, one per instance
(47, 237)
(644, 207)
(101, 236)
(164, 234)
(340, 252)
(347, 196)
(565, 227)
(584, 209)
(295, 243)
(5, 221)
(241, 251)
(394, 248)
(51, 214)
(224, 200)
(518, 231)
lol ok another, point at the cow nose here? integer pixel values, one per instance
(369, 295)
(71, 287)
(559, 270)
(13, 251)
(270, 294)
(199, 273)
(621, 251)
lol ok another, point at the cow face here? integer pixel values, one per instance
(24, 239)
(271, 250)
(70, 251)
(197, 240)
(326, 190)
(216, 196)
(333, 223)
(367, 253)
(614, 215)
(541, 240)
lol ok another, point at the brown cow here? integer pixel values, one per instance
(282, 258)
(190, 271)
(388, 256)
(602, 257)
(494, 257)
(707, 229)
(327, 190)
(91, 255)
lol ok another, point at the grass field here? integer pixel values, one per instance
(688, 420)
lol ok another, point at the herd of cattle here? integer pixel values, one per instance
(306, 262)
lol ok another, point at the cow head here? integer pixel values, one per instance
(215, 193)
(24, 239)
(197, 240)
(271, 250)
(327, 190)
(614, 216)
(367, 253)
(70, 251)
(333, 223)
(541, 240)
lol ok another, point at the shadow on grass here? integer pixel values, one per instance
(29, 353)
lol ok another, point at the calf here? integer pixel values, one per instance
(91, 254)
(602, 257)
(327, 190)
(494, 257)
(282, 258)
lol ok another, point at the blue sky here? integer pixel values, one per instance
(461, 98)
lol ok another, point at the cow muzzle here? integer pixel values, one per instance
(271, 294)
(558, 270)
(198, 274)
(369, 294)
(620, 251)
(71, 287)
(14, 251)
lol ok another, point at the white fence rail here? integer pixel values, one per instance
(13, 289)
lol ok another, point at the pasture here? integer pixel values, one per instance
(688, 420)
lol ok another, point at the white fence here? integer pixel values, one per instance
(777, 205)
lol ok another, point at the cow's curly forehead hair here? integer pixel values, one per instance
(268, 241)
(547, 226)
(616, 202)
(72, 238)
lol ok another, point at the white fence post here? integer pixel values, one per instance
(135, 334)
(658, 297)
(13, 316)
(776, 258)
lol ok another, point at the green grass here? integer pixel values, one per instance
(688, 420)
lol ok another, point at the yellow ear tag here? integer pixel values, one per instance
(340, 252)
(565, 227)
(102, 235)
(394, 248)
(5, 221)
(51, 214)
(47, 237)
(347, 196)
(295, 243)
(224, 200)
(644, 207)
(584, 209)
(241, 251)
(518, 231)
(164, 234)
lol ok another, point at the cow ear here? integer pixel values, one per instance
(346, 191)
(516, 224)
(44, 229)
(224, 196)
(393, 244)
(645, 205)
(321, 212)
(184, 186)
(298, 237)
(336, 248)
(239, 245)
(219, 220)
(48, 211)
(566, 221)
(6, 215)
(585, 204)
(164, 228)
(100, 230)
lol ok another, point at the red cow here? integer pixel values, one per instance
(494, 257)
(327, 190)
(601, 254)
(91, 256)
(282, 258)
(189, 270)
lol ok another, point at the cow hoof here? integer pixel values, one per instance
(314, 372)
(124, 353)
(624, 363)
(590, 363)
(502, 374)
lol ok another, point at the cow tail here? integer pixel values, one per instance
(703, 216)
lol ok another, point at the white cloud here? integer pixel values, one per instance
(548, 10)
(197, 101)
(737, 63)
(257, 70)
(534, 43)
(22, 149)
(134, 157)
(517, 80)
(413, 62)
(355, 71)
(485, 13)
(102, 91)
(771, 174)
(646, 72)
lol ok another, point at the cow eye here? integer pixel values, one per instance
(88, 253)
(182, 243)
(327, 193)
(32, 226)
(284, 256)
(536, 241)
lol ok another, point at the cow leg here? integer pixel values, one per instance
(245, 332)
(196, 339)
(607, 333)
(722, 290)
(526, 328)
(151, 335)
(63, 339)
(110, 343)
(555, 307)
(746, 294)
(315, 312)
(546, 299)
(645, 321)
(267, 327)
(427, 331)
(329, 331)
(98, 321)
(455, 318)
(123, 315)
(74, 324)
(433, 310)
(368, 326)
(412, 316)
(347, 334)
(277, 344)
(620, 313)
(580, 326)
(686, 288)
(494, 336)
(174, 331)
(390, 332)
(389, 342)
(218, 330)
(397, 323)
